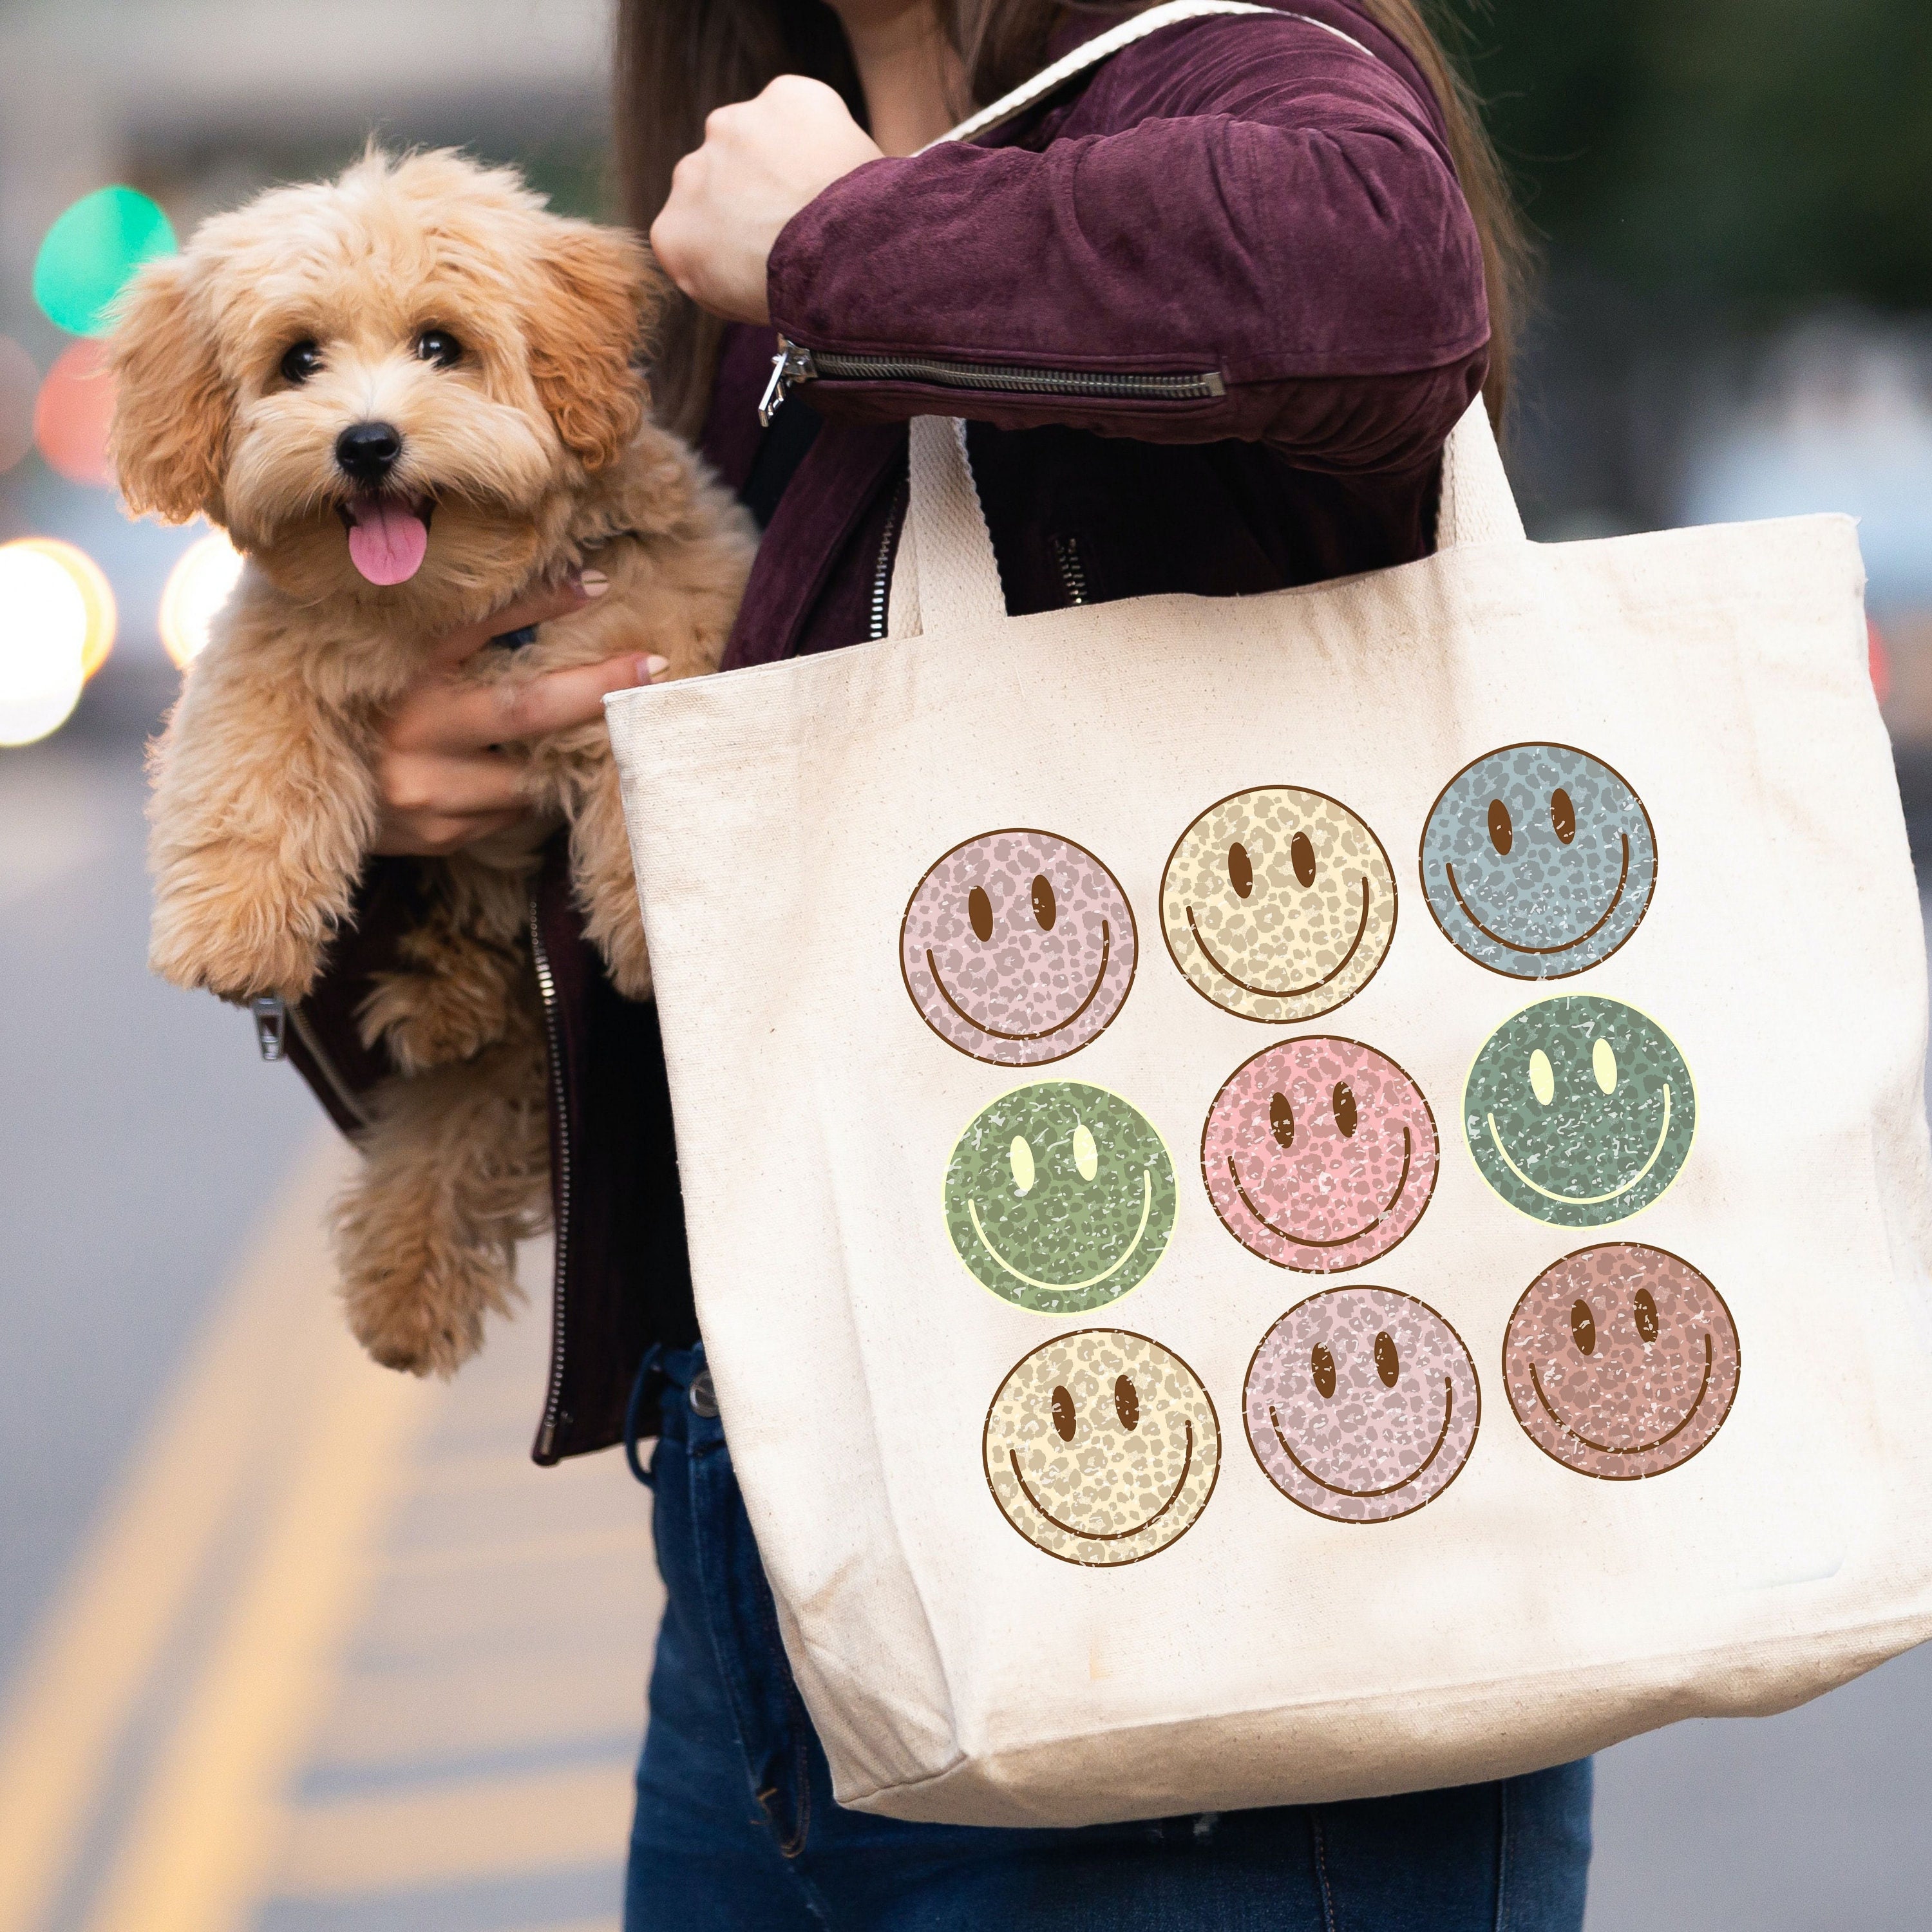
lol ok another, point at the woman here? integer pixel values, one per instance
(1212, 312)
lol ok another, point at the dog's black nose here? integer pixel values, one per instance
(367, 451)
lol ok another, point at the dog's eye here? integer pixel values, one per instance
(439, 347)
(301, 362)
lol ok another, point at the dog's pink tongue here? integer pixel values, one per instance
(389, 540)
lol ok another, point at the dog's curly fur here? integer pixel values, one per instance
(537, 455)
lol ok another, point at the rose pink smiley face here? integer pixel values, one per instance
(1361, 1405)
(1017, 947)
(1319, 1154)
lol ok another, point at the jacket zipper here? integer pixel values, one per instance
(547, 988)
(326, 1066)
(882, 570)
(792, 365)
(1072, 571)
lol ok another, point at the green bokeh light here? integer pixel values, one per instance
(90, 253)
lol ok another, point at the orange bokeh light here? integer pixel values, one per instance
(103, 616)
(70, 419)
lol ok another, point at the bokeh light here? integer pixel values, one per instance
(96, 592)
(197, 587)
(19, 383)
(71, 418)
(92, 252)
(43, 627)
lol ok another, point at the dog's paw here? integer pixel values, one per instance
(428, 1322)
(237, 949)
(426, 1021)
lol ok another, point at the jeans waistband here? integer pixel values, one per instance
(661, 1370)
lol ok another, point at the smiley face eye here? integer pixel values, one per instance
(1386, 1364)
(1644, 1303)
(979, 910)
(1562, 815)
(1063, 1413)
(1583, 1328)
(1281, 1121)
(1343, 1102)
(1321, 1366)
(1241, 871)
(1086, 1155)
(1502, 834)
(1301, 856)
(1019, 1157)
(1542, 1077)
(1044, 910)
(1603, 1065)
(1127, 1404)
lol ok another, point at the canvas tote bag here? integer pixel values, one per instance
(1305, 1196)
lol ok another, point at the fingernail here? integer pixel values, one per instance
(593, 582)
(650, 668)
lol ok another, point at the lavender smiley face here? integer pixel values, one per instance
(1319, 1154)
(1361, 1405)
(1017, 947)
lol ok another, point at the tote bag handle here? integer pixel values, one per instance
(945, 577)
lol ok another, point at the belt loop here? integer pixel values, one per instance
(634, 1414)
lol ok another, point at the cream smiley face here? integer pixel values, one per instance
(1102, 1447)
(1278, 904)
(1361, 1405)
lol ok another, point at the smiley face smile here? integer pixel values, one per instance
(1589, 1200)
(1387, 1489)
(1339, 1240)
(1041, 1033)
(1563, 946)
(1070, 1287)
(1634, 1448)
(1108, 1535)
(1285, 992)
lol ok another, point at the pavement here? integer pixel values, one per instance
(288, 1644)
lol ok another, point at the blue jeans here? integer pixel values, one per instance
(736, 1826)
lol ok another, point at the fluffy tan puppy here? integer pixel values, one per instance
(408, 395)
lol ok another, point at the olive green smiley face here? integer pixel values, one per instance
(1060, 1197)
(1579, 1111)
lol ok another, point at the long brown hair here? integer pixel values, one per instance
(679, 59)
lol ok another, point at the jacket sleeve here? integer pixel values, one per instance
(1257, 200)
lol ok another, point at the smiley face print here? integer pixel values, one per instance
(1361, 1405)
(1319, 1154)
(1579, 1111)
(1538, 861)
(1278, 904)
(1017, 947)
(1060, 1197)
(1102, 1447)
(1621, 1361)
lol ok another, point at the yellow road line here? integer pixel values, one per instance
(98, 1642)
(477, 1829)
(204, 1833)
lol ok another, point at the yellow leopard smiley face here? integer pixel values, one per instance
(1278, 904)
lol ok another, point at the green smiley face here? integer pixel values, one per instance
(1579, 1111)
(1060, 1197)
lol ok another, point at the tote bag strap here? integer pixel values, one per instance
(945, 576)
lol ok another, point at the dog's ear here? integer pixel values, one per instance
(597, 298)
(172, 409)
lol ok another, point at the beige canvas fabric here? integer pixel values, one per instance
(1564, 1585)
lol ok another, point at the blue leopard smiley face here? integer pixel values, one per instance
(1538, 861)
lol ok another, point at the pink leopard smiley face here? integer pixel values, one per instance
(1361, 1405)
(1319, 1154)
(1017, 947)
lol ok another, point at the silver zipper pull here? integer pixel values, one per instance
(790, 365)
(271, 1021)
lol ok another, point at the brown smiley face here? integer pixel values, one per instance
(1621, 1361)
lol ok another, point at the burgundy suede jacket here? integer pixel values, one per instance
(1211, 313)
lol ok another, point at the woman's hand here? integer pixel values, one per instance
(442, 775)
(761, 162)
